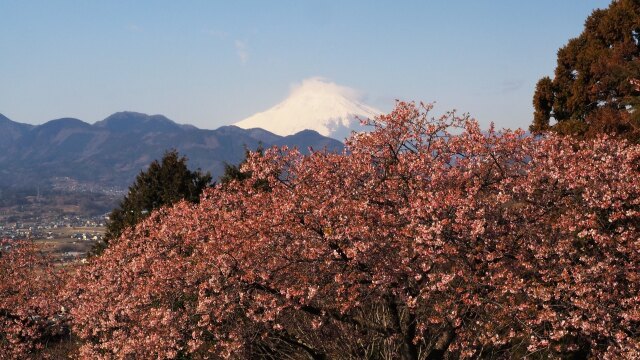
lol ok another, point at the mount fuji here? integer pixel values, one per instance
(316, 104)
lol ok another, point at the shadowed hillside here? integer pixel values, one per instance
(112, 151)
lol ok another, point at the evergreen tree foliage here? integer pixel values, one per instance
(234, 172)
(165, 182)
(592, 91)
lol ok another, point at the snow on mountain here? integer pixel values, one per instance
(316, 104)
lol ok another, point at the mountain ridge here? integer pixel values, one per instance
(135, 121)
(111, 152)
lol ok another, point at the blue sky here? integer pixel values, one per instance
(211, 63)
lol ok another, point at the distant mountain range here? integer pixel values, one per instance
(113, 151)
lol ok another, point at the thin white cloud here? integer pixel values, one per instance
(242, 51)
(324, 84)
(509, 86)
(220, 35)
(134, 27)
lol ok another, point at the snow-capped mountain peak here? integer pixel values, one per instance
(316, 104)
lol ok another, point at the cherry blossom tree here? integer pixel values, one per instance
(32, 316)
(427, 238)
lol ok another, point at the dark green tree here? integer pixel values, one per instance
(591, 91)
(234, 172)
(165, 182)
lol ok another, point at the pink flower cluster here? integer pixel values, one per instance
(31, 310)
(427, 237)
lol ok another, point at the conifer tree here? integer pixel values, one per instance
(592, 91)
(165, 182)
(235, 172)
